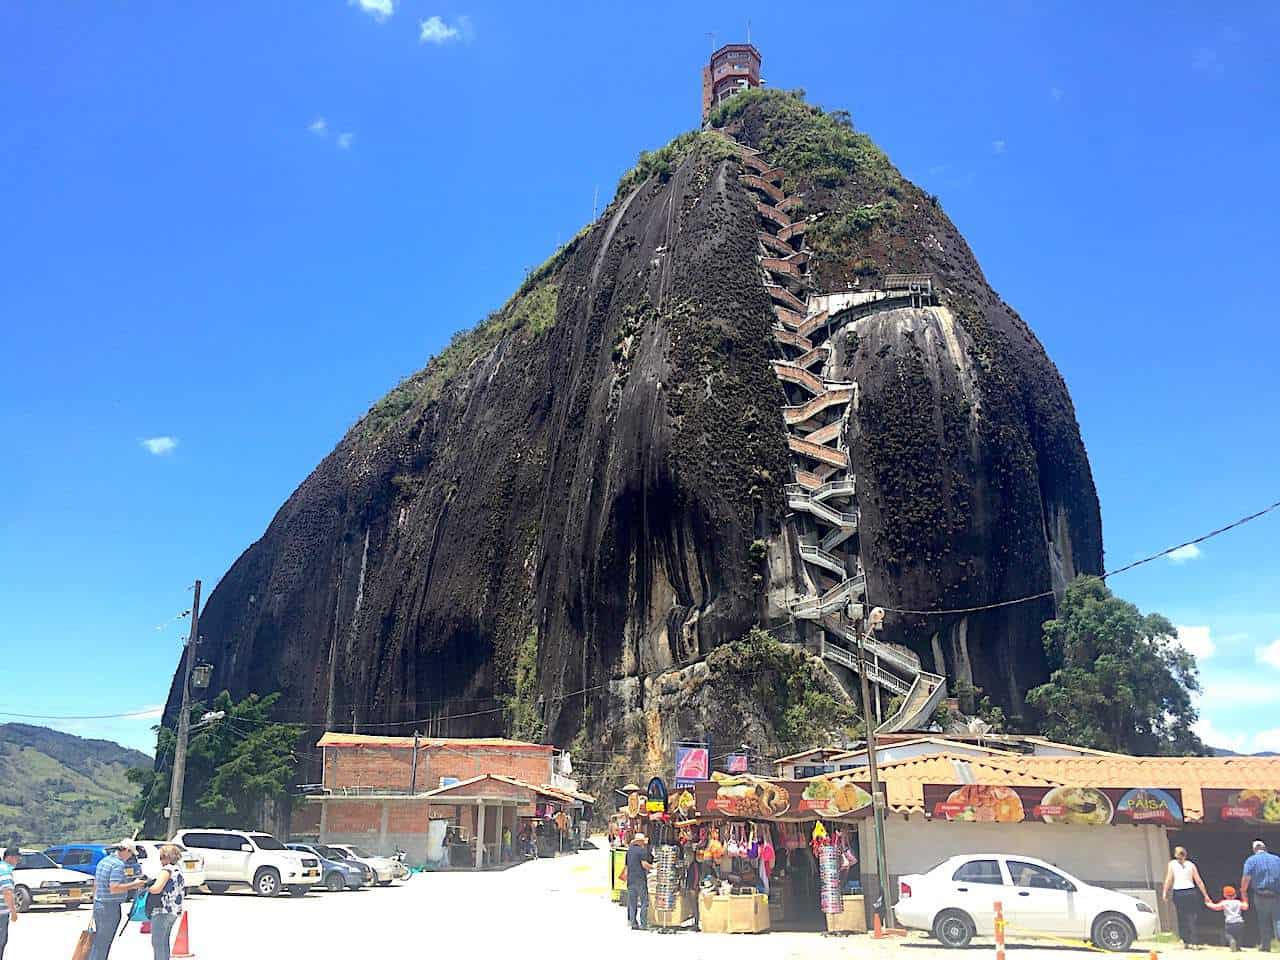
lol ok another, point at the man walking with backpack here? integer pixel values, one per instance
(1260, 887)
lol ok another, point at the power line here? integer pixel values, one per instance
(1111, 573)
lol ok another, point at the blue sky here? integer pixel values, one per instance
(236, 225)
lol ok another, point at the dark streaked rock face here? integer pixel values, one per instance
(595, 462)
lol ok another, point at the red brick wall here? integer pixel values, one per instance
(304, 818)
(406, 818)
(386, 767)
(353, 816)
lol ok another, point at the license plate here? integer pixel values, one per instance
(74, 894)
(190, 864)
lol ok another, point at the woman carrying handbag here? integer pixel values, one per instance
(164, 900)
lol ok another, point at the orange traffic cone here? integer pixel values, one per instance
(181, 948)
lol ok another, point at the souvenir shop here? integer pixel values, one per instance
(743, 854)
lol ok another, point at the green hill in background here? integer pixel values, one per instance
(58, 787)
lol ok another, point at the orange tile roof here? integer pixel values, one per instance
(338, 739)
(905, 779)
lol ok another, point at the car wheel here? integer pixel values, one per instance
(953, 928)
(298, 891)
(1113, 932)
(266, 882)
(22, 899)
(335, 882)
(384, 883)
(71, 906)
(218, 887)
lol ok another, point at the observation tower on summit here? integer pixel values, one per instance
(733, 68)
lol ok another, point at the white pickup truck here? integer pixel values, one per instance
(256, 859)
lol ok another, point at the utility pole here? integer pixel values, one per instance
(877, 798)
(413, 770)
(184, 718)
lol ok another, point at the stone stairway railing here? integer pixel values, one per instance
(824, 483)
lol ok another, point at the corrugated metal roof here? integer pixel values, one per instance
(337, 739)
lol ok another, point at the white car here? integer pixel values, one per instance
(256, 859)
(384, 868)
(192, 863)
(37, 881)
(956, 901)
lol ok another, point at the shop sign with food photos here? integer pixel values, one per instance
(1090, 806)
(758, 798)
(1248, 806)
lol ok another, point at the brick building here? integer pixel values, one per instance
(733, 68)
(382, 793)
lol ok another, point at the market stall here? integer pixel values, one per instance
(745, 854)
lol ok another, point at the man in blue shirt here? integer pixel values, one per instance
(8, 906)
(1260, 888)
(117, 876)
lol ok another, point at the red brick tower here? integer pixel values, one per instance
(732, 68)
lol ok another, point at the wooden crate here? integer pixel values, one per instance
(852, 920)
(681, 914)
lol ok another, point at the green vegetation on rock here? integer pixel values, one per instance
(795, 689)
(523, 706)
(1120, 680)
(661, 163)
(55, 786)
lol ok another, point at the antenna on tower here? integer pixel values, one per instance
(712, 38)
(748, 31)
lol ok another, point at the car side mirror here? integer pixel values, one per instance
(246, 847)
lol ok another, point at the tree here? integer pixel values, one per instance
(233, 764)
(1119, 680)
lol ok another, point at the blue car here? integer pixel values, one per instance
(338, 873)
(81, 857)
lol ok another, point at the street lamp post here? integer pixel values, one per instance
(877, 798)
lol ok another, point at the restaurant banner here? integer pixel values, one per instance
(1093, 806)
(1241, 806)
(758, 798)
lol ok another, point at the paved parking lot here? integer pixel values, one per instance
(547, 908)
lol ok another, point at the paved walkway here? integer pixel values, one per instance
(554, 909)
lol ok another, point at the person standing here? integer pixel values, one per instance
(8, 904)
(1232, 911)
(171, 888)
(117, 876)
(639, 863)
(1189, 894)
(506, 844)
(1261, 882)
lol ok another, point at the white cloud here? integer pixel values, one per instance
(319, 126)
(344, 140)
(1233, 694)
(1270, 654)
(378, 9)
(1196, 641)
(1268, 740)
(1213, 737)
(160, 446)
(1183, 554)
(998, 146)
(435, 30)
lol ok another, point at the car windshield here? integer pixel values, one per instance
(357, 851)
(331, 854)
(36, 861)
(266, 842)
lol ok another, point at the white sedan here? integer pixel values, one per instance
(38, 881)
(384, 868)
(956, 901)
(191, 863)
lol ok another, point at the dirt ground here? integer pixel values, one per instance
(547, 908)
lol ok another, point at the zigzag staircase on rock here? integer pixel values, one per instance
(823, 498)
